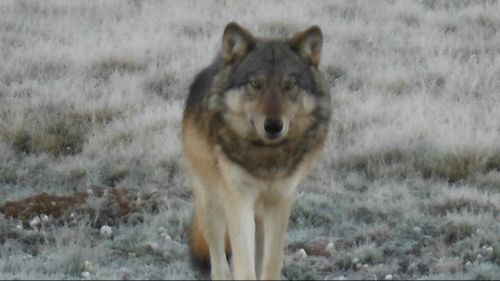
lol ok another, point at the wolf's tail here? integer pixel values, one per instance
(200, 253)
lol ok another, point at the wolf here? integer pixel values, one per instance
(254, 124)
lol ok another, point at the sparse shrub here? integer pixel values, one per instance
(312, 210)
(65, 134)
(344, 263)
(396, 87)
(296, 272)
(162, 86)
(410, 20)
(457, 205)
(74, 262)
(367, 215)
(8, 175)
(485, 271)
(334, 72)
(115, 176)
(495, 255)
(105, 68)
(171, 167)
(493, 163)
(20, 139)
(277, 28)
(456, 230)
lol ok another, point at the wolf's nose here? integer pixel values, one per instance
(273, 127)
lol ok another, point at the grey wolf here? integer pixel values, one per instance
(254, 123)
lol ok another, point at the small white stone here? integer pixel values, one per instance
(90, 192)
(330, 247)
(302, 253)
(479, 256)
(86, 275)
(417, 229)
(106, 231)
(365, 267)
(388, 277)
(358, 266)
(19, 227)
(154, 246)
(468, 264)
(53, 203)
(132, 255)
(88, 265)
(489, 250)
(72, 215)
(45, 218)
(35, 222)
(161, 229)
(355, 261)
(167, 237)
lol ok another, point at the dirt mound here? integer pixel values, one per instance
(107, 207)
(43, 203)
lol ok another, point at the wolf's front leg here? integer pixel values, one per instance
(240, 218)
(275, 216)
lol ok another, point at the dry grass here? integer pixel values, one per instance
(91, 97)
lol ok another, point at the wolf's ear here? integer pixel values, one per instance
(308, 44)
(236, 42)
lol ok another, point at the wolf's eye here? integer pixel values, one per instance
(290, 84)
(255, 84)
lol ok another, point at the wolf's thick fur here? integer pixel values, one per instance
(254, 123)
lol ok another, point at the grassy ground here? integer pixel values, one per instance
(91, 96)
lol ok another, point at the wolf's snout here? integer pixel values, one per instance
(273, 127)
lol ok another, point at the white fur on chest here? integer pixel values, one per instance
(239, 180)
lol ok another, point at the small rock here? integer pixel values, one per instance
(154, 247)
(19, 227)
(132, 255)
(330, 247)
(317, 247)
(302, 253)
(479, 256)
(388, 277)
(417, 229)
(468, 264)
(53, 203)
(489, 250)
(45, 218)
(106, 231)
(355, 261)
(365, 267)
(167, 237)
(90, 192)
(88, 266)
(86, 275)
(35, 222)
(72, 215)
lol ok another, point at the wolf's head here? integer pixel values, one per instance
(270, 90)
